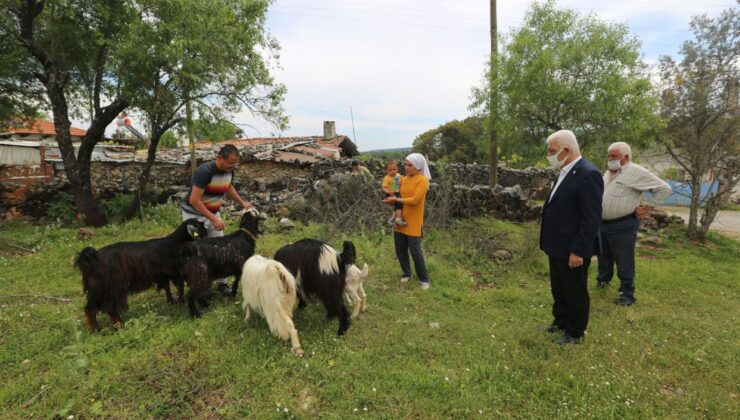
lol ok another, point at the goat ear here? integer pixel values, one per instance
(193, 232)
(257, 214)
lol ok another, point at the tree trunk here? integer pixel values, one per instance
(693, 230)
(724, 191)
(144, 176)
(78, 175)
(157, 134)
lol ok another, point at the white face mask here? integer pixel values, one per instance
(553, 159)
(614, 165)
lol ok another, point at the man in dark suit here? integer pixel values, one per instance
(569, 234)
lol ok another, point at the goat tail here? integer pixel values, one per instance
(279, 313)
(87, 262)
(287, 281)
(349, 254)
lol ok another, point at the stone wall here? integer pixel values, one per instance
(271, 185)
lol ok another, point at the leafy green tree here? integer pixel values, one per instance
(699, 106)
(20, 97)
(455, 141)
(168, 140)
(155, 56)
(560, 70)
(176, 56)
(215, 131)
(61, 48)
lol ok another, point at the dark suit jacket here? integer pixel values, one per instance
(570, 221)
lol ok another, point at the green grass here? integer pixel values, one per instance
(673, 355)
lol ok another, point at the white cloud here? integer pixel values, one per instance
(406, 66)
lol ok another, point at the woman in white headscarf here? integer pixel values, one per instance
(414, 187)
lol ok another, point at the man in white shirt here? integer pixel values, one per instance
(624, 184)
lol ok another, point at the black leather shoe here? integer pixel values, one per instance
(224, 289)
(625, 301)
(566, 339)
(552, 328)
(602, 284)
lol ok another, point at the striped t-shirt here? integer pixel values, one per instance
(214, 184)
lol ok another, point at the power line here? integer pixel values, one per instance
(416, 15)
(381, 21)
(617, 3)
(422, 25)
(376, 6)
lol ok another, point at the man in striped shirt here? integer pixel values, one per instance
(624, 184)
(212, 181)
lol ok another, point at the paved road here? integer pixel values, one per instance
(727, 222)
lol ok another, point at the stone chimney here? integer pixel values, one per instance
(330, 129)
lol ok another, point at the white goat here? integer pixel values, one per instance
(269, 289)
(354, 293)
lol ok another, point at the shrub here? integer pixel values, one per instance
(62, 208)
(115, 205)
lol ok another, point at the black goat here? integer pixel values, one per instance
(212, 258)
(110, 273)
(320, 271)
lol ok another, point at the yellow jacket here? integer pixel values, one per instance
(414, 193)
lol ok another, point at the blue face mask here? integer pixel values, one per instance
(614, 165)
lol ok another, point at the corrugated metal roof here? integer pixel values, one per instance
(20, 143)
(101, 152)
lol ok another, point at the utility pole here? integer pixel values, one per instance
(353, 127)
(493, 112)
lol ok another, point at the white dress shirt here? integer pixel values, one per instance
(563, 172)
(623, 190)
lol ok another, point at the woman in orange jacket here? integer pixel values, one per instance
(414, 187)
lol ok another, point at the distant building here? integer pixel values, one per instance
(30, 155)
(38, 130)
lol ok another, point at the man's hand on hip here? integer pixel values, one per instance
(643, 212)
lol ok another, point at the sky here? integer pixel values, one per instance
(388, 70)
(402, 67)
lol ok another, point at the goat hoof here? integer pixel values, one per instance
(298, 352)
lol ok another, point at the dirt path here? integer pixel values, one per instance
(727, 222)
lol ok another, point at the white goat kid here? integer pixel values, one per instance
(269, 289)
(354, 293)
